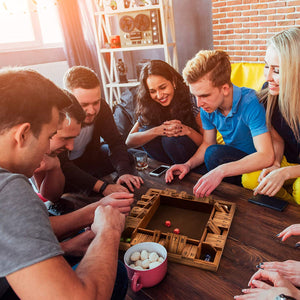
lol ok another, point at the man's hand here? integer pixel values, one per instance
(289, 269)
(114, 188)
(180, 170)
(131, 181)
(122, 201)
(289, 231)
(48, 163)
(108, 218)
(208, 182)
(271, 183)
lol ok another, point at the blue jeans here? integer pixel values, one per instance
(170, 150)
(217, 155)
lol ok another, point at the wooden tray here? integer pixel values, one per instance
(203, 222)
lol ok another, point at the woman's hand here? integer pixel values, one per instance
(267, 285)
(289, 231)
(266, 171)
(175, 128)
(272, 180)
(289, 269)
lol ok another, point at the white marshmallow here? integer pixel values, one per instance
(144, 254)
(161, 259)
(138, 263)
(135, 256)
(153, 256)
(154, 264)
(146, 263)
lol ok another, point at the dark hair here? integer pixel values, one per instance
(80, 77)
(27, 96)
(150, 112)
(74, 111)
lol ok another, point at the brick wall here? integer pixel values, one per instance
(241, 27)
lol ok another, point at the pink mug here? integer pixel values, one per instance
(148, 277)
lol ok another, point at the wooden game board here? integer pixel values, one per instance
(203, 222)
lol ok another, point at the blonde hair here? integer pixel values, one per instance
(287, 45)
(215, 63)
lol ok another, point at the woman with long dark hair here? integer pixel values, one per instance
(168, 126)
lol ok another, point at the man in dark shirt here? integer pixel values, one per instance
(99, 149)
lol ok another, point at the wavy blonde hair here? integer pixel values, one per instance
(287, 45)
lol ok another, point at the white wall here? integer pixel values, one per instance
(54, 71)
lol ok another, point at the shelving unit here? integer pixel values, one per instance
(161, 35)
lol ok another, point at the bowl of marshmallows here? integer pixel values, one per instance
(146, 264)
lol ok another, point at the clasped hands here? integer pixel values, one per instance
(174, 128)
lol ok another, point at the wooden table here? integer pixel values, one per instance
(251, 240)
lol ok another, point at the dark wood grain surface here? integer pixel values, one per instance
(251, 240)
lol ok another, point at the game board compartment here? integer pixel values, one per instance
(199, 244)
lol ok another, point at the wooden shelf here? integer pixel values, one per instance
(105, 22)
(109, 50)
(109, 12)
(130, 83)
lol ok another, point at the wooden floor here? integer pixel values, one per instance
(251, 240)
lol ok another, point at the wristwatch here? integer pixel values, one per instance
(103, 187)
(284, 297)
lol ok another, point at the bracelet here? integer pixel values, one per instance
(103, 187)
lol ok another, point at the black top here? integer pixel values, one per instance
(104, 127)
(291, 146)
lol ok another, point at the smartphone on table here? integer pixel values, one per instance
(159, 171)
(270, 202)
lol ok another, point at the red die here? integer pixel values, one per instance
(176, 231)
(168, 223)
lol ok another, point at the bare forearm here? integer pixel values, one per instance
(291, 172)
(250, 163)
(67, 224)
(278, 151)
(99, 266)
(137, 139)
(195, 136)
(51, 183)
(198, 158)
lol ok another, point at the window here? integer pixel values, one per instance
(29, 24)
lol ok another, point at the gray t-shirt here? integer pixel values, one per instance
(26, 236)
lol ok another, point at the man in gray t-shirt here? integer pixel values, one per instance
(31, 260)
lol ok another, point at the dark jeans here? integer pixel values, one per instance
(217, 155)
(98, 165)
(170, 150)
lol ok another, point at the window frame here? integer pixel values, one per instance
(21, 53)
